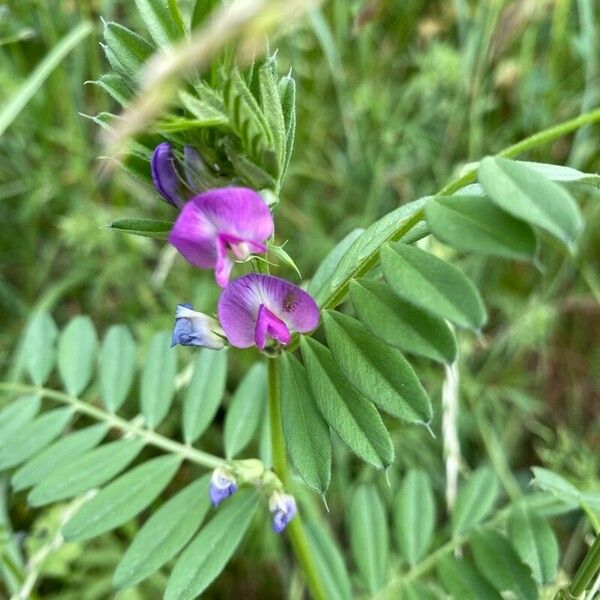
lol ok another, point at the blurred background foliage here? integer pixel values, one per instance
(393, 98)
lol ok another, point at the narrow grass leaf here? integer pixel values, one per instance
(432, 284)
(61, 451)
(369, 540)
(307, 437)
(462, 580)
(39, 347)
(204, 393)
(122, 499)
(347, 411)
(414, 515)
(475, 224)
(535, 543)
(528, 195)
(77, 354)
(117, 366)
(500, 564)
(151, 228)
(329, 563)
(211, 549)
(400, 324)
(475, 500)
(378, 371)
(33, 436)
(245, 410)
(157, 384)
(12, 106)
(17, 414)
(164, 534)
(91, 469)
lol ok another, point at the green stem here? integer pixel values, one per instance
(295, 529)
(537, 139)
(130, 427)
(586, 572)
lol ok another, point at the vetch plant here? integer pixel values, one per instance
(329, 375)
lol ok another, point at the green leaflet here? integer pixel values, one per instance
(270, 104)
(379, 372)
(157, 384)
(39, 347)
(287, 93)
(369, 540)
(77, 354)
(535, 543)
(400, 324)
(432, 284)
(328, 265)
(329, 562)
(463, 581)
(57, 454)
(307, 437)
(414, 515)
(202, 8)
(207, 113)
(204, 393)
(527, 195)
(115, 87)
(554, 483)
(17, 414)
(151, 228)
(209, 552)
(366, 247)
(126, 50)
(499, 563)
(122, 499)
(415, 590)
(164, 534)
(245, 410)
(474, 224)
(117, 366)
(33, 436)
(346, 410)
(248, 122)
(475, 500)
(162, 20)
(91, 469)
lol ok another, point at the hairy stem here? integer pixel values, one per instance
(296, 528)
(130, 427)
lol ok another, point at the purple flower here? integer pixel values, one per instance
(283, 507)
(257, 307)
(164, 174)
(220, 224)
(221, 486)
(196, 329)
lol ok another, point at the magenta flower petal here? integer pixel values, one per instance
(219, 224)
(257, 307)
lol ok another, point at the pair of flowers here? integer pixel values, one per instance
(213, 230)
(282, 506)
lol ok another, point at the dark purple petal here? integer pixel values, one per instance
(283, 508)
(164, 174)
(196, 329)
(240, 303)
(219, 221)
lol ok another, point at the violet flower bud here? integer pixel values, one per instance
(283, 508)
(222, 485)
(196, 329)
